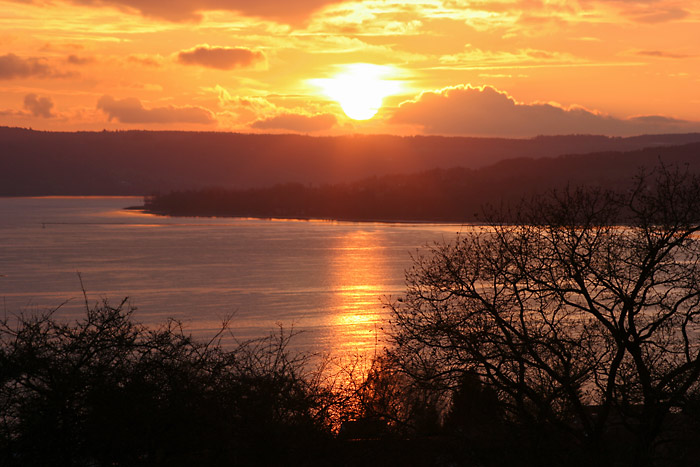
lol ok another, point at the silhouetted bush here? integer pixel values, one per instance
(107, 391)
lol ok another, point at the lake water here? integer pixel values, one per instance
(326, 279)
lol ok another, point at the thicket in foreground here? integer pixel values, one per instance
(576, 319)
(108, 391)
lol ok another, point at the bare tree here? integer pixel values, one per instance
(580, 309)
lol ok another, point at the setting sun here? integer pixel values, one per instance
(360, 89)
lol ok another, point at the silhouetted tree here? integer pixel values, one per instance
(579, 310)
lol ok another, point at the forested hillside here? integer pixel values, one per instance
(445, 195)
(141, 162)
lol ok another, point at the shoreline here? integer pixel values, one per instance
(308, 218)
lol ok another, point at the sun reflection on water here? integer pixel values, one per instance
(358, 277)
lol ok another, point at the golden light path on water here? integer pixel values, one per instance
(357, 276)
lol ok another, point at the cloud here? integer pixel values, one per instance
(12, 66)
(258, 105)
(131, 110)
(220, 58)
(76, 60)
(11, 113)
(245, 108)
(658, 15)
(187, 10)
(297, 122)
(250, 106)
(660, 54)
(38, 106)
(646, 11)
(146, 60)
(486, 111)
(478, 58)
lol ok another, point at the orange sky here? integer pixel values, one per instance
(454, 67)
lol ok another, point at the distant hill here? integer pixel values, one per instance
(438, 195)
(142, 162)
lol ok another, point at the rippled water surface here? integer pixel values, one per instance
(326, 279)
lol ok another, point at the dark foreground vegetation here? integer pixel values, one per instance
(566, 332)
(107, 391)
(439, 195)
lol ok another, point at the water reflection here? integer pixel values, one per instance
(358, 275)
(323, 278)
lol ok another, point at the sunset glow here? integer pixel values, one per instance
(360, 90)
(331, 67)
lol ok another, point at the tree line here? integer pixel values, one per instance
(437, 195)
(41, 163)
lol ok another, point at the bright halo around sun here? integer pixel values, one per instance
(360, 89)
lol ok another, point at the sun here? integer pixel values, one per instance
(360, 89)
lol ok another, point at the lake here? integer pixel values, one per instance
(326, 279)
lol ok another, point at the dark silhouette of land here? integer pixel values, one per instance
(35, 163)
(438, 195)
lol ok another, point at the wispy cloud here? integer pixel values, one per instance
(78, 60)
(654, 15)
(145, 60)
(660, 54)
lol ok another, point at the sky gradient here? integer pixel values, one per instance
(451, 67)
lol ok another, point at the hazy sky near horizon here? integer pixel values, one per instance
(453, 67)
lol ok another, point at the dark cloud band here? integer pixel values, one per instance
(12, 66)
(132, 111)
(185, 10)
(220, 58)
(295, 122)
